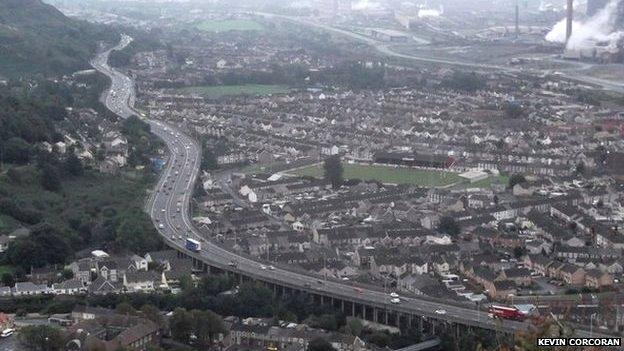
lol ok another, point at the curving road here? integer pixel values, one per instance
(169, 204)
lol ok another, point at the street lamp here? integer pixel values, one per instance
(511, 296)
(591, 324)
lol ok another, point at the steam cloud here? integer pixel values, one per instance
(598, 28)
(430, 12)
(366, 5)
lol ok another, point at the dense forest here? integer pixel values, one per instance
(65, 204)
(36, 38)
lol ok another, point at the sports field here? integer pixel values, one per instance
(229, 25)
(485, 183)
(217, 91)
(385, 174)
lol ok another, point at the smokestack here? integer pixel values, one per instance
(569, 17)
(517, 20)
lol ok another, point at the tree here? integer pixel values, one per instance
(73, 165)
(67, 273)
(468, 81)
(320, 344)
(354, 327)
(333, 171)
(209, 160)
(17, 150)
(45, 245)
(449, 226)
(516, 179)
(186, 283)
(8, 279)
(136, 232)
(255, 300)
(125, 308)
(41, 338)
(181, 325)
(207, 325)
(379, 338)
(580, 168)
(153, 314)
(519, 251)
(513, 110)
(50, 178)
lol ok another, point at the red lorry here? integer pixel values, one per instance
(505, 312)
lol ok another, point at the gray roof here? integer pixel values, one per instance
(69, 284)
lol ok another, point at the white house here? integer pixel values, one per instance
(29, 288)
(69, 287)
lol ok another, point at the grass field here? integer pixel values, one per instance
(486, 182)
(229, 25)
(384, 174)
(224, 90)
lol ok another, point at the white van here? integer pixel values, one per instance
(6, 333)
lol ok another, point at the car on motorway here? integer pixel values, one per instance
(394, 294)
(161, 226)
(7, 332)
(233, 263)
(319, 282)
(358, 290)
(395, 300)
(263, 267)
(271, 268)
(442, 312)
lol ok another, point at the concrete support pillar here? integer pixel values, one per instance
(342, 306)
(352, 309)
(375, 317)
(386, 313)
(420, 324)
(322, 300)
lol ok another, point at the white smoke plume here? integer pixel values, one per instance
(366, 5)
(598, 28)
(425, 12)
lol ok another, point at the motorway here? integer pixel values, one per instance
(169, 209)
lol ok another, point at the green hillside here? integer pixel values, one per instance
(37, 38)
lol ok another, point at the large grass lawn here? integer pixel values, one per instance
(228, 25)
(223, 90)
(385, 174)
(485, 183)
